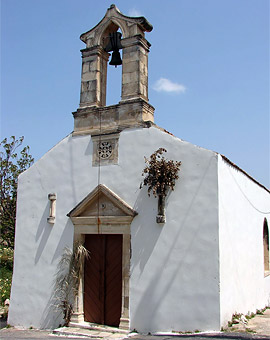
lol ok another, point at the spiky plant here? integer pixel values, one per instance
(68, 276)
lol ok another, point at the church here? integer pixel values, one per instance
(185, 262)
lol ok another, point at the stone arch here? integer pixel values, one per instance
(266, 246)
(111, 26)
(106, 70)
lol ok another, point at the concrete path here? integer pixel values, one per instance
(256, 328)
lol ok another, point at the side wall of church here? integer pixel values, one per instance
(243, 206)
(174, 279)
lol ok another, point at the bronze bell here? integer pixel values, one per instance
(116, 58)
(114, 45)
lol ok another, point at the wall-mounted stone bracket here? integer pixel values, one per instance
(52, 199)
(161, 218)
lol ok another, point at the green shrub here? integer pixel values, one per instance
(6, 263)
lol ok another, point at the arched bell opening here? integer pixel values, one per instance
(111, 43)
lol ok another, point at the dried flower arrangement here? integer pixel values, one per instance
(160, 176)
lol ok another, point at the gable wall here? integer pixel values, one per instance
(174, 281)
(242, 208)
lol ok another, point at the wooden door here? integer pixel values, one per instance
(103, 279)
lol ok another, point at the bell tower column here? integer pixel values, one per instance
(93, 81)
(135, 68)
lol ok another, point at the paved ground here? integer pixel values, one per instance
(260, 325)
(256, 328)
(7, 334)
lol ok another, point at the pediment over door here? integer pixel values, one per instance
(102, 206)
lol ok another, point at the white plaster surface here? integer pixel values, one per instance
(174, 282)
(243, 205)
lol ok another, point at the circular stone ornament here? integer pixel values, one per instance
(104, 150)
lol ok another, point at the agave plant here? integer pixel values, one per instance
(68, 276)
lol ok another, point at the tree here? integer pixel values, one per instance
(12, 164)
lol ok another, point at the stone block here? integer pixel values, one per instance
(89, 76)
(143, 68)
(90, 59)
(126, 78)
(88, 86)
(131, 67)
(143, 80)
(88, 97)
(92, 65)
(85, 67)
(131, 77)
(130, 89)
(129, 49)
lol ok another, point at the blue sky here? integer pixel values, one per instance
(208, 72)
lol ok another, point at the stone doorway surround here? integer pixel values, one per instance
(104, 212)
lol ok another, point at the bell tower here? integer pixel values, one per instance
(133, 109)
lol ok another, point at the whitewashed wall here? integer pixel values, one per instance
(243, 205)
(174, 282)
(174, 268)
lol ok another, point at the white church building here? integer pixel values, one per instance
(208, 260)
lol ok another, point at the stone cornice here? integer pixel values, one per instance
(109, 119)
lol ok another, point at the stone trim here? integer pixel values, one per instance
(106, 220)
(102, 229)
(101, 188)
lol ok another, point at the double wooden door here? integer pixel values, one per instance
(103, 279)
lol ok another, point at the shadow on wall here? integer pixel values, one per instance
(76, 180)
(147, 208)
(145, 240)
(52, 316)
(66, 240)
(43, 232)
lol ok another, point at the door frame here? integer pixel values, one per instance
(116, 218)
(79, 235)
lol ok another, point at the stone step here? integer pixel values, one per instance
(97, 327)
(92, 331)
